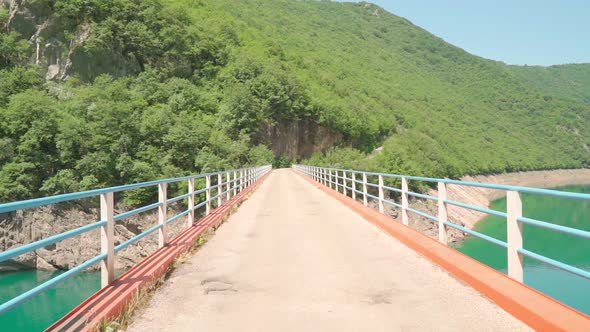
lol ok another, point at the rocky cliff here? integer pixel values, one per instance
(58, 51)
(298, 139)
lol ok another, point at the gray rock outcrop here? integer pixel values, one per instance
(27, 226)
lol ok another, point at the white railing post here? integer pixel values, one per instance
(381, 195)
(241, 180)
(330, 178)
(208, 194)
(514, 235)
(353, 191)
(219, 189)
(162, 214)
(344, 183)
(325, 176)
(442, 213)
(365, 189)
(227, 186)
(405, 220)
(107, 239)
(235, 183)
(191, 202)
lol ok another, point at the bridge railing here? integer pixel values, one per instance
(357, 183)
(223, 185)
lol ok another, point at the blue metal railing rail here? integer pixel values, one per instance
(224, 188)
(339, 179)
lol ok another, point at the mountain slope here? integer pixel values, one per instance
(376, 75)
(571, 81)
(96, 93)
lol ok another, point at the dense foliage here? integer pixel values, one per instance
(570, 81)
(164, 88)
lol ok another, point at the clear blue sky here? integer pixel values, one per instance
(542, 32)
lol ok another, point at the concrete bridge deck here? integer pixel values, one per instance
(294, 259)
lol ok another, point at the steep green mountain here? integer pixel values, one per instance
(101, 92)
(571, 81)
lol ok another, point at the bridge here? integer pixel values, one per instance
(306, 250)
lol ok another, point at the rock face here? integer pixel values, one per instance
(58, 55)
(27, 226)
(298, 139)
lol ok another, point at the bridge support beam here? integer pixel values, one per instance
(107, 239)
(442, 213)
(514, 235)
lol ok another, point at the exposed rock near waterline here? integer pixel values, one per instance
(22, 227)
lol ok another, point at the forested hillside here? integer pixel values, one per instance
(570, 81)
(103, 92)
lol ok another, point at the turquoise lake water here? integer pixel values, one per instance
(38, 313)
(565, 287)
(47, 307)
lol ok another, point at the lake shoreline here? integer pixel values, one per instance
(483, 196)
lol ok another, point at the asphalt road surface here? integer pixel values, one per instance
(294, 259)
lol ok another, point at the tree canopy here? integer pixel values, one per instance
(161, 88)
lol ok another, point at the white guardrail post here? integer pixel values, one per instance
(344, 182)
(162, 213)
(227, 186)
(442, 213)
(191, 202)
(365, 189)
(107, 239)
(353, 191)
(514, 235)
(241, 180)
(208, 194)
(235, 183)
(330, 178)
(405, 220)
(381, 195)
(219, 188)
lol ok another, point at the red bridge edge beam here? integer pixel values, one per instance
(109, 302)
(534, 308)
